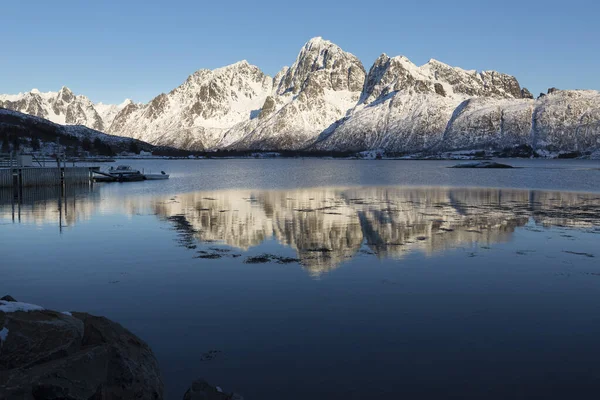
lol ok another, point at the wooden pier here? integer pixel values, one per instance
(18, 177)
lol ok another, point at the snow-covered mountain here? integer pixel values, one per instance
(62, 107)
(326, 101)
(405, 108)
(196, 114)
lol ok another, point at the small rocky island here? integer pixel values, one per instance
(48, 355)
(482, 164)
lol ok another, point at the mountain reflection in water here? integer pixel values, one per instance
(329, 225)
(325, 226)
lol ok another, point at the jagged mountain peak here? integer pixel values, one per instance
(237, 66)
(433, 61)
(62, 107)
(400, 74)
(240, 67)
(389, 75)
(197, 113)
(65, 95)
(323, 63)
(319, 51)
(317, 41)
(322, 84)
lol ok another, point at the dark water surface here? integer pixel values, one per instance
(320, 279)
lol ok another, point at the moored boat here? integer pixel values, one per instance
(156, 177)
(125, 173)
(122, 173)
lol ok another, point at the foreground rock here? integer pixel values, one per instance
(482, 164)
(50, 355)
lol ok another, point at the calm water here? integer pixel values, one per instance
(321, 279)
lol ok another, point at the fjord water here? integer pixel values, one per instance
(333, 279)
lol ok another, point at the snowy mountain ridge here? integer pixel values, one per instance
(62, 107)
(327, 101)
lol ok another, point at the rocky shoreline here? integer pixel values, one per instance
(49, 355)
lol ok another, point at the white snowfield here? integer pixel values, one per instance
(327, 101)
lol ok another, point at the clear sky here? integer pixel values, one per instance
(112, 50)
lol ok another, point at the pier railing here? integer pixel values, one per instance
(6, 161)
(44, 176)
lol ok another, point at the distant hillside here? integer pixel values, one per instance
(18, 130)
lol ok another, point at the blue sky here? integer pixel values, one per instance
(112, 50)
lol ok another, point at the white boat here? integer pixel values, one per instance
(122, 173)
(124, 170)
(156, 177)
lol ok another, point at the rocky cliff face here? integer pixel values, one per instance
(320, 87)
(488, 123)
(326, 101)
(567, 120)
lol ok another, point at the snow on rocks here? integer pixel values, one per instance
(318, 89)
(326, 101)
(196, 114)
(62, 107)
(15, 306)
(3, 334)
(50, 355)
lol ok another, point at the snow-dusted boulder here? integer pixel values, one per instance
(52, 355)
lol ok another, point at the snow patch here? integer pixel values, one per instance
(14, 306)
(3, 334)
